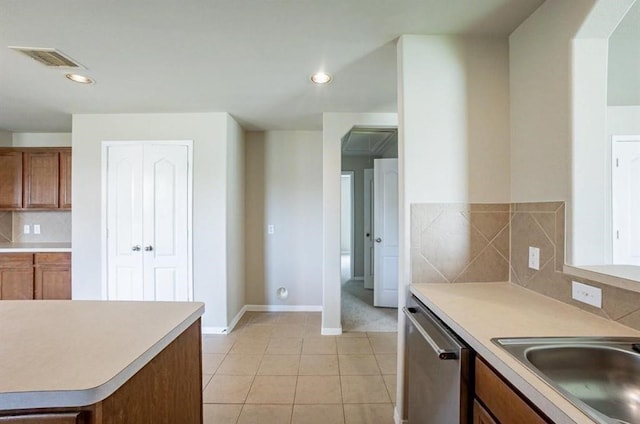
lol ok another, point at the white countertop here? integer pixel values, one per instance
(478, 312)
(75, 353)
(8, 247)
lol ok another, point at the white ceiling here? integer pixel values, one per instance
(251, 58)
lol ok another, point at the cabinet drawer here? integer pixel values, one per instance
(16, 260)
(62, 259)
(503, 402)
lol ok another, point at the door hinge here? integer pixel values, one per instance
(617, 163)
(617, 234)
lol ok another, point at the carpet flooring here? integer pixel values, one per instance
(359, 314)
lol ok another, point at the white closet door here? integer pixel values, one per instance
(124, 222)
(165, 223)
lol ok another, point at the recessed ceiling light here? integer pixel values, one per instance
(321, 78)
(80, 79)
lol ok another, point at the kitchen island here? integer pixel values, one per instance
(95, 362)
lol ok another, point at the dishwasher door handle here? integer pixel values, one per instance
(443, 354)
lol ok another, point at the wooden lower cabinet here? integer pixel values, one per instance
(168, 390)
(25, 276)
(501, 401)
(52, 276)
(16, 276)
(480, 415)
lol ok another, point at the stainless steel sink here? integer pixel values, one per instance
(601, 376)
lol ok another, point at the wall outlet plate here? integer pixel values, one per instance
(26, 229)
(534, 258)
(36, 228)
(586, 294)
(271, 229)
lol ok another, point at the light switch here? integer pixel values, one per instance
(534, 258)
(271, 229)
(26, 229)
(36, 228)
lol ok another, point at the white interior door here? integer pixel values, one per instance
(385, 278)
(368, 229)
(625, 195)
(165, 222)
(148, 227)
(124, 222)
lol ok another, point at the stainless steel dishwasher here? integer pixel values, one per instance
(439, 370)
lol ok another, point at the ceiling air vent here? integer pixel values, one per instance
(48, 57)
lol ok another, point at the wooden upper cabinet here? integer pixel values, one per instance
(41, 179)
(65, 179)
(10, 180)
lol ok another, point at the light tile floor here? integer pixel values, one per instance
(276, 368)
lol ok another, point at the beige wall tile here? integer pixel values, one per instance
(317, 414)
(526, 232)
(6, 226)
(490, 224)
(487, 267)
(502, 242)
(54, 226)
(537, 206)
(560, 237)
(422, 271)
(489, 207)
(618, 303)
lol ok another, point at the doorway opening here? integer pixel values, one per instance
(365, 149)
(625, 200)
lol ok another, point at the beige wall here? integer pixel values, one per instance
(41, 139)
(209, 134)
(6, 138)
(235, 219)
(284, 189)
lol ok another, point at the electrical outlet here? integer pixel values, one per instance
(586, 294)
(271, 229)
(534, 258)
(36, 228)
(26, 229)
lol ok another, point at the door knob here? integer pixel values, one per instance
(136, 248)
(148, 248)
(367, 235)
(378, 240)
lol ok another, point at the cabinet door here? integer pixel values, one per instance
(65, 179)
(16, 283)
(10, 180)
(480, 415)
(41, 179)
(52, 276)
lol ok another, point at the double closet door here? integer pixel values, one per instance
(148, 225)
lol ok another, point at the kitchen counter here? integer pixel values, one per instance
(478, 312)
(8, 247)
(76, 353)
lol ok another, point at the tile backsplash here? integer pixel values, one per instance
(55, 226)
(457, 243)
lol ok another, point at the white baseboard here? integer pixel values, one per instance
(262, 308)
(328, 331)
(396, 417)
(358, 278)
(214, 330)
(283, 308)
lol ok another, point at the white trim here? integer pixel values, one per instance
(236, 319)
(214, 330)
(103, 218)
(396, 417)
(283, 308)
(352, 209)
(327, 331)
